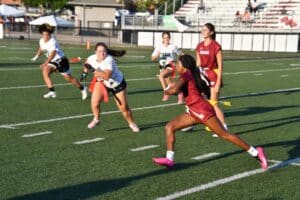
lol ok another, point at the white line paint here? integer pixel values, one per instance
(65, 84)
(226, 180)
(261, 93)
(140, 108)
(142, 79)
(294, 162)
(89, 141)
(285, 75)
(295, 64)
(209, 155)
(257, 74)
(82, 116)
(262, 71)
(144, 148)
(36, 134)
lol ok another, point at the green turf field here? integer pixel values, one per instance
(264, 89)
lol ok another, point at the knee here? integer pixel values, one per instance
(169, 127)
(124, 108)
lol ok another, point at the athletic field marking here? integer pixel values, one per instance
(82, 116)
(225, 180)
(295, 64)
(209, 155)
(142, 79)
(140, 108)
(294, 163)
(257, 74)
(65, 84)
(36, 134)
(144, 148)
(89, 141)
(285, 75)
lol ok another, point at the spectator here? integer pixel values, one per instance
(1, 20)
(238, 18)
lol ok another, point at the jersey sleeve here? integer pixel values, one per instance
(155, 52)
(217, 47)
(198, 47)
(177, 51)
(52, 45)
(108, 63)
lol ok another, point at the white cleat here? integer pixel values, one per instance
(187, 129)
(84, 93)
(134, 128)
(50, 94)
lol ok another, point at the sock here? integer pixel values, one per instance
(97, 120)
(225, 126)
(52, 89)
(252, 151)
(81, 87)
(170, 155)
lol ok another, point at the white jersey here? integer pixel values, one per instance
(167, 53)
(51, 45)
(107, 64)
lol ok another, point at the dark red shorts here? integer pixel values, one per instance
(201, 111)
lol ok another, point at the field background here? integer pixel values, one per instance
(264, 89)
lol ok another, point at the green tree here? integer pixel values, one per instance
(48, 4)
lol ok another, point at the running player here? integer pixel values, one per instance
(107, 77)
(55, 62)
(166, 54)
(198, 111)
(210, 60)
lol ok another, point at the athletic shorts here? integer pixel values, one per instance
(122, 86)
(61, 65)
(201, 111)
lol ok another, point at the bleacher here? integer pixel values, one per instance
(222, 12)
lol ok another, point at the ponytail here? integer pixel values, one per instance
(115, 53)
(201, 82)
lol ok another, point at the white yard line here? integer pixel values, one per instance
(204, 156)
(145, 78)
(64, 84)
(36, 134)
(80, 116)
(224, 181)
(144, 148)
(11, 126)
(284, 75)
(295, 162)
(89, 141)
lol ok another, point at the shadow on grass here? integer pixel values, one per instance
(268, 124)
(100, 187)
(142, 127)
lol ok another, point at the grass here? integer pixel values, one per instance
(52, 167)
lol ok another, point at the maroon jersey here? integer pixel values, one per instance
(208, 54)
(198, 107)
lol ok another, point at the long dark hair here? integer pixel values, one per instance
(116, 53)
(46, 28)
(211, 28)
(202, 84)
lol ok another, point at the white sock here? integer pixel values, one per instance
(96, 119)
(252, 151)
(170, 155)
(225, 126)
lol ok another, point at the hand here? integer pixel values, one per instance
(34, 58)
(83, 76)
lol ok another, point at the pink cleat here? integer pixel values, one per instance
(262, 158)
(164, 161)
(165, 97)
(93, 123)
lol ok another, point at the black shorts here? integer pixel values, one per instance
(122, 86)
(61, 65)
